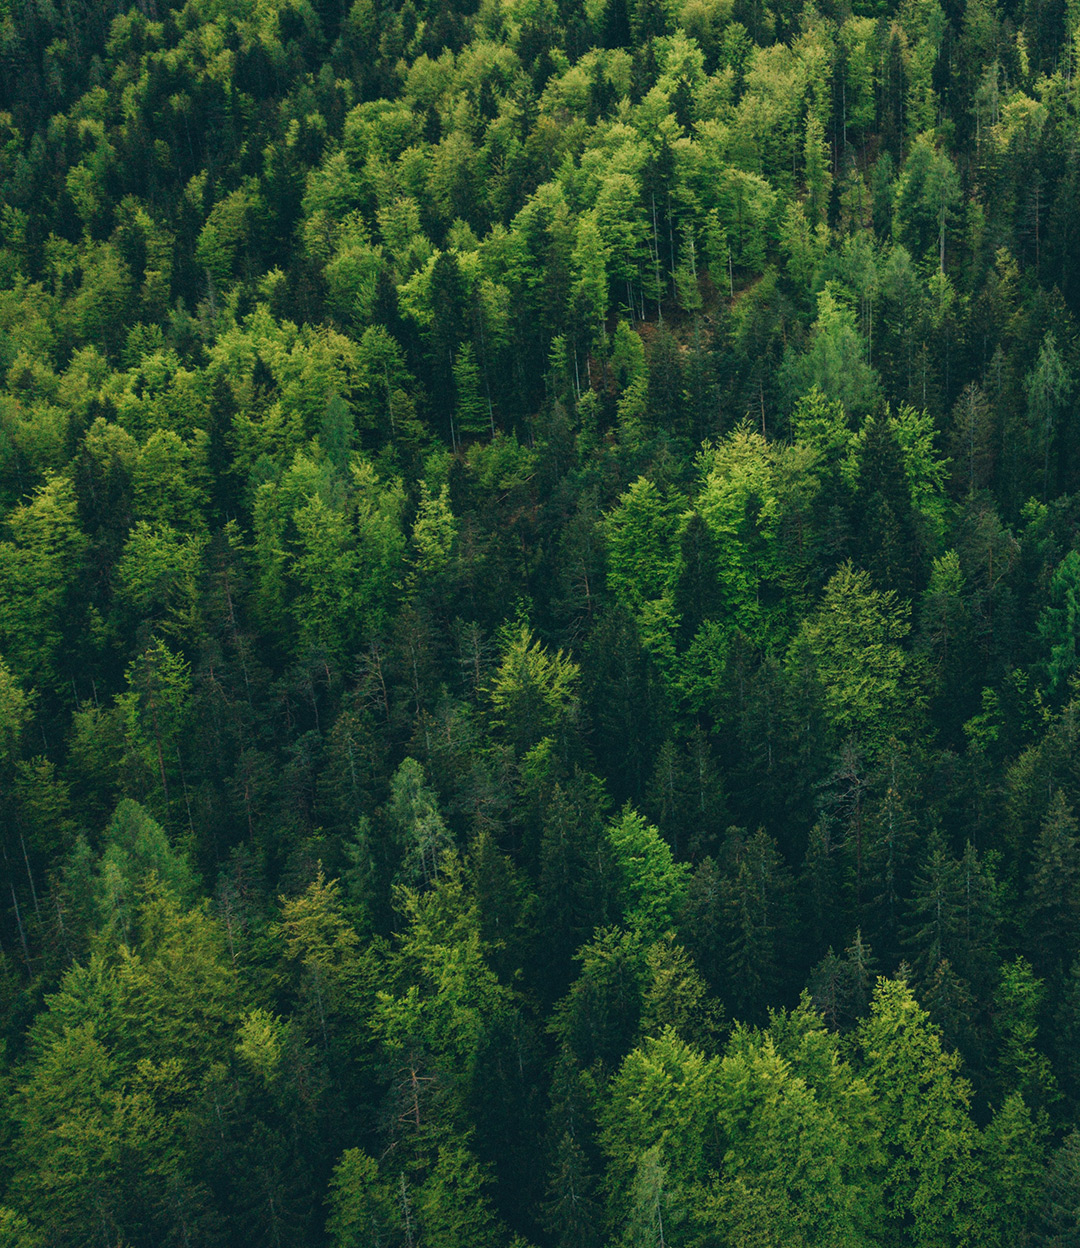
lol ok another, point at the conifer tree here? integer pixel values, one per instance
(1052, 903)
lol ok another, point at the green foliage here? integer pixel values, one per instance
(113, 1080)
(135, 848)
(533, 693)
(429, 429)
(746, 508)
(362, 1208)
(665, 1095)
(1023, 1068)
(453, 1208)
(422, 834)
(932, 1177)
(651, 885)
(641, 537)
(852, 646)
(835, 360)
(15, 710)
(1060, 620)
(39, 572)
(926, 196)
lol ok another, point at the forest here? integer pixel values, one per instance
(539, 623)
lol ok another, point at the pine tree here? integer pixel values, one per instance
(1052, 902)
(1059, 1203)
(883, 517)
(931, 1183)
(816, 158)
(757, 920)
(655, 1209)
(471, 412)
(572, 896)
(1021, 1066)
(570, 1213)
(955, 912)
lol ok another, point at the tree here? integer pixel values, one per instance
(655, 1210)
(104, 1106)
(167, 481)
(800, 1164)
(972, 440)
(533, 693)
(40, 570)
(946, 625)
(686, 795)
(570, 1214)
(16, 706)
(1021, 1067)
(1059, 1205)
(932, 1182)
(437, 1001)
(158, 573)
(226, 236)
(755, 892)
(107, 1132)
(676, 996)
(16, 1231)
(1059, 623)
(472, 414)
(589, 292)
(666, 406)
(955, 907)
(421, 835)
(572, 866)
(835, 359)
(452, 1205)
(1015, 1167)
(448, 297)
(851, 644)
(884, 518)
(135, 848)
(664, 1096)
(743, 503)
(154, 712)
(433, 533)
(598, 1018)
(324, 948)
(1052, 903)
(840, 987)
(650, 886)
(818, 175)
(363, 1208)
(641, 535)
(1048, 387)
(927, 193)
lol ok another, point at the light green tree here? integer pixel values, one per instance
(932, 1184)
(534, 693)
(852, 645)
(816, 158)
(589, 292)
(650, 885)
(40, 567)
(413, 812)
(835, 360)
(471, 411)
(364, 1211)
(642, 535)
(323, 946)
(158, 576)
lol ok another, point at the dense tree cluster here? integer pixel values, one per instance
(539, 623)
